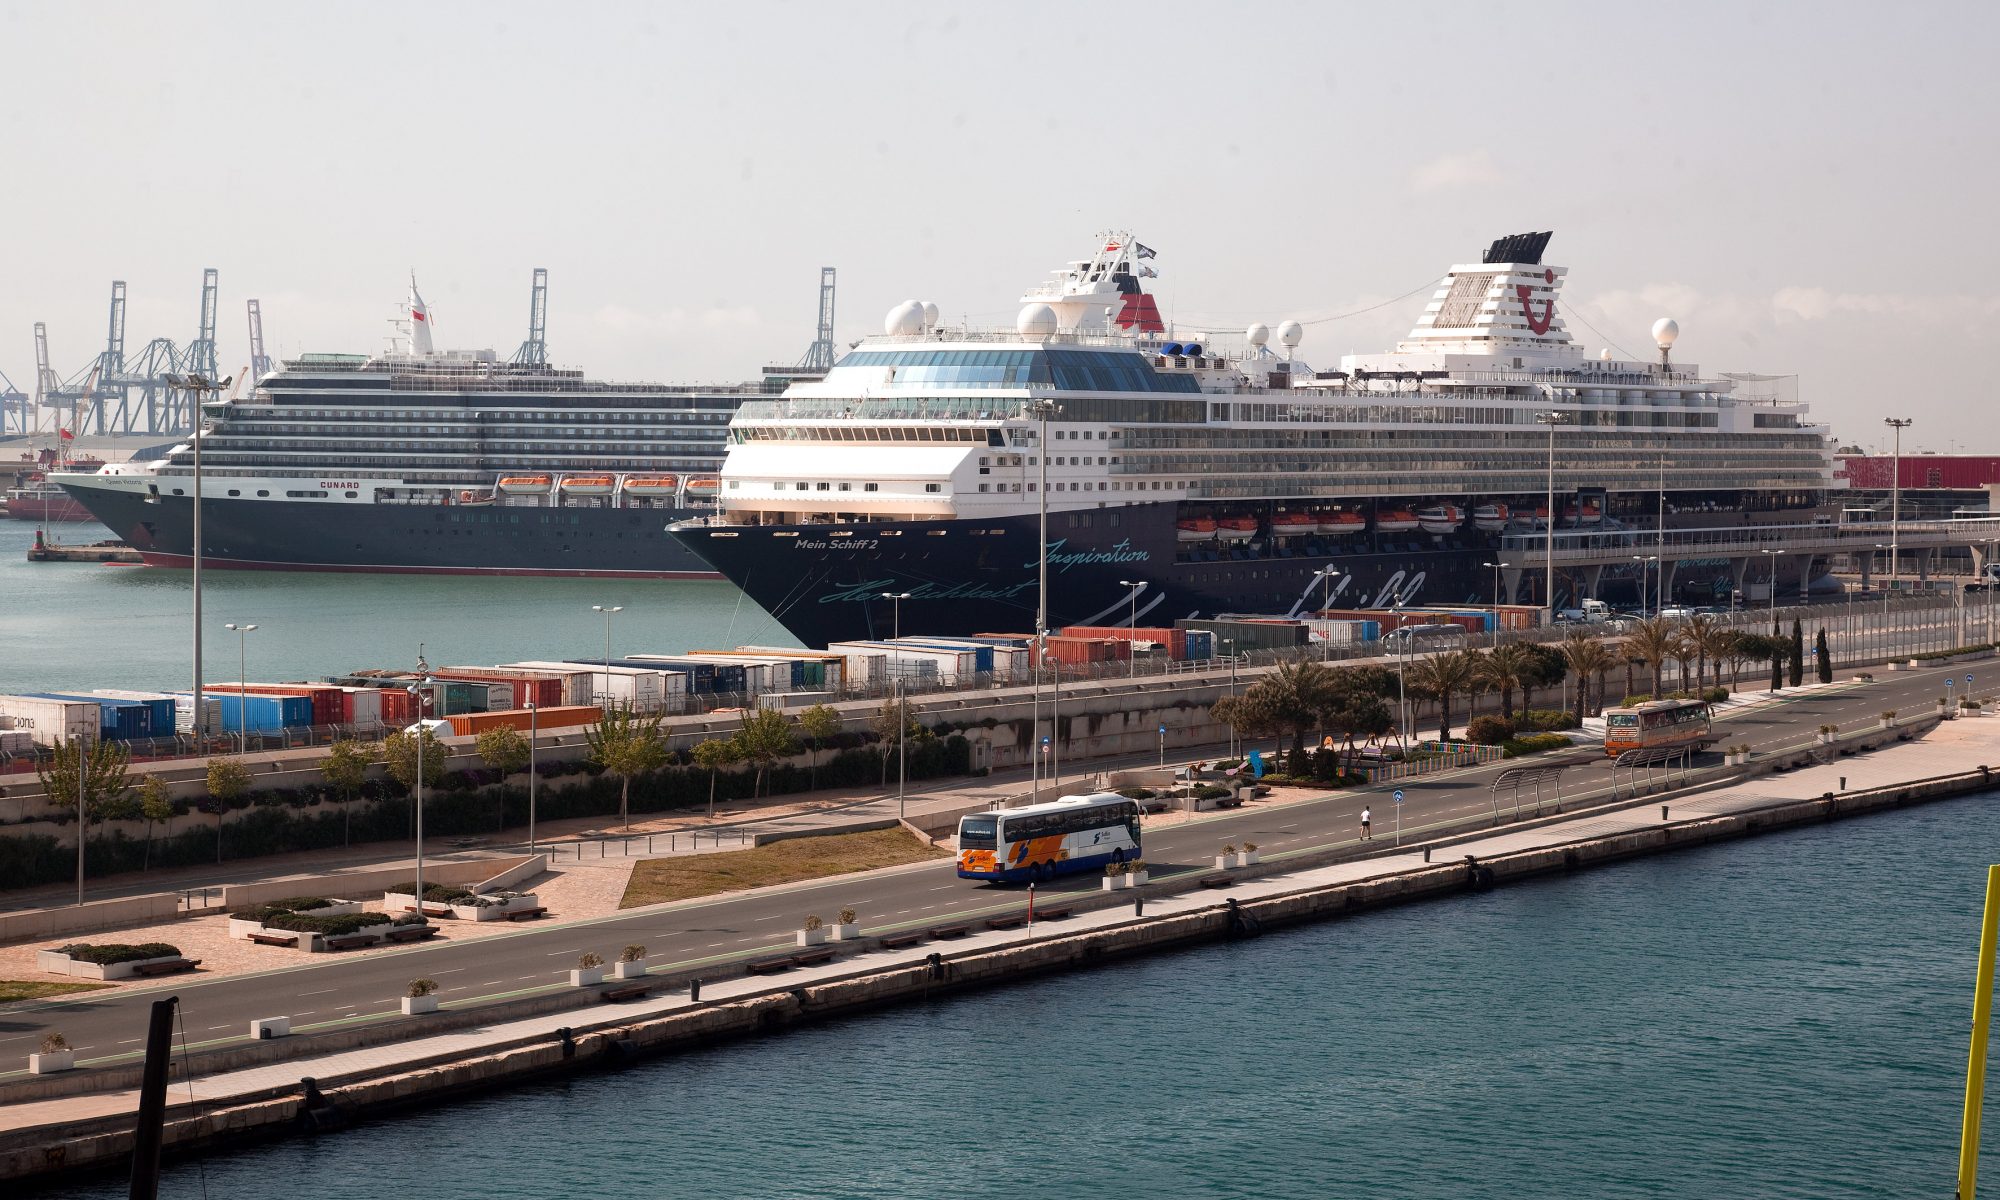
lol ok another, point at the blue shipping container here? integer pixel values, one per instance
(121, 720)
(263, 714)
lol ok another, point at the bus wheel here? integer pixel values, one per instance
(1046, 872)
(1118, 856)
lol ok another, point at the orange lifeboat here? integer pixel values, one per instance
(525, 485)
(653, 485)
(1341, 523)
(1236, 529)
(1440, 518)
(1491, 518)
(589, 485)
(1294, 524)
(1395, 520)
(1196, 529)
(701, 487)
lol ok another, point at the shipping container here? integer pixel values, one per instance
(701, 676)
(1243, 637)
(543, 689)
(1087, 652)
(256, 713)
(578, 687)
(328, 704)
(119, 720)
(55, 719)
(1175, 640)
(833, 675)
(920, 664)
(1200, 645)
(361, 707)
(165, 713)
(555, 717)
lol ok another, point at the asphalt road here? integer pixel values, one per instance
(330, 992)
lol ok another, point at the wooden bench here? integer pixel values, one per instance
(1216, 881)
(525, 914)
(813, 958)
(771, 965)
(350, 941)
(942, 932)
(429, 912)
(1054, 914)
(275, 939)
(631, 991)
(900, 941)
(1014, 921)
(412, 933)
(167, 968)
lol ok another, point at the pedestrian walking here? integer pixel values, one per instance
(1366, 816)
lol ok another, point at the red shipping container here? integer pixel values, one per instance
(558, 717)
(1175, 640)
(398, 707)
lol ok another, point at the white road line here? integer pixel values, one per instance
(949, 887)
(321, 992)
(212, 1027)
(772, 917)
(447, 970)
(559, 953)
(129, 1041)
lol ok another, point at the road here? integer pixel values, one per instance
(330, 993)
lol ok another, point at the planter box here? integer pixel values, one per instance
(1138, 879)
(1224, 862)
(847, 932)
(1249, 858)
(57, 963)
(629, 970)
(396, 902)
(492, 912)
(812, 937)
(239, 928)
(1113, 883)
(413, 1005)
(586, 976)
(1895, 666)
(272, 1027)
(48, 1064)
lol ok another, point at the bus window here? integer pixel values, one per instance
(976, 833)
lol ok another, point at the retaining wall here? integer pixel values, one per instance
(375, 880)
(37, 923)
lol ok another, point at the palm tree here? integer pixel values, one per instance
(1652, 642)
(1710, 639)
(1589, 658)
(1684, 652)
(1500, 671)
(1292, 698)
(1442, 676)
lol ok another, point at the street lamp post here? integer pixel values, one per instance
(242, 633)
(1041, 410)
(422, 693)
(1643, 560)
(82, 743)
(1137, 586)
(1899, 424)
(1055, 726)
(1231, 644)
(534, 732)
(1774, 582)
(1551, 419)
(896, 622)
(902, 746)
(1496, 565)
(193, 388)
(1402, 693)
(607, 610)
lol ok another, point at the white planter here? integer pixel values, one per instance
(1224, 862)
(56, 962)
(812, 937)
(52, 961)
(847, 932)
(1137, 879)
(239, 928)
(394, 903)
(47, 1064)
(413, 1005)
(270, 1027)
(1113, 882)
(629, 970)
(586, 976)
(1248, 857)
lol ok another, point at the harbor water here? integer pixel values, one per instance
(1779, 1017)
(84, 625)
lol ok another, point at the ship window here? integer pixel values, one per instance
(933, 487)
(871, 487)
(179, 492)
(234, 492)
(266, 492)
(349, 495)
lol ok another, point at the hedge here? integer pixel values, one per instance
(1534, 743)
(1935, 655)
(118, 952)
(345, 923)
(438, 893)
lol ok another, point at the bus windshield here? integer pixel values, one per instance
(976, 833)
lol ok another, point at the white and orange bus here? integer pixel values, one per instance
(1041, 841)
(1659, 725)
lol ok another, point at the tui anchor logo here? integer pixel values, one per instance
(1527, 294)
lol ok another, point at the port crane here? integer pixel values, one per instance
(127, 393)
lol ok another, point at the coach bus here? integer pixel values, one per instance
(1041, 841)
(1659, 725)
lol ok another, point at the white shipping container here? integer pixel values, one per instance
(366, 705)
(54, 721)
(577, 685)
(16, 741)
(183, 705)
(921, 664)
(836, 666)
(645, 691)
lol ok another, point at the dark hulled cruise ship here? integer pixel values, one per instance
(1183, 478)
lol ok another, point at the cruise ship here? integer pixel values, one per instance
(430, 461)
(1184, 478)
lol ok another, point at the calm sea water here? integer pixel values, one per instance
(1777, 1018)
(80, 625)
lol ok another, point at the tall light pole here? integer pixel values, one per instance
(896, 624)
(1137, 586)
(1899, 424)
(1402, 656)
(1774, 582)
(1055, 726)
(607, 610)
(242, 633)
(194, 387)
(1496, 565)
(534, 732)
(83, 756)
(1231, 644)
(1041, 410)
(422, 692)
(902, 745)
(1551, 419)
(1643, 560)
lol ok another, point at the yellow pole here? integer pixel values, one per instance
(1982, 1017)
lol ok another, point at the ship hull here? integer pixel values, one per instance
(293, 535)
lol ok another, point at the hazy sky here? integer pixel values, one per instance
(1808, 188)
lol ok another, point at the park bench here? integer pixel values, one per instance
(167, 968)
(631, 991)
(899, 941)
(526, 914)
(350, 941)
(1216, 881)
(275, 939)
(942, 932)
(412, 933)
(1053, 914)
(1014, 921)
(771, 965)
(813, 958)
(444, 911)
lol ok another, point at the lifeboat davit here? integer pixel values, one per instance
(1491, 518)
(1395, 520)
(1195, 529)
(524, 485)
(1342, 522)
(1236, 529)
(1294, 524)
(652, 485)
(589, 485)
(1440, 518)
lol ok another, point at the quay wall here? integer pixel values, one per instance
(48, 1151)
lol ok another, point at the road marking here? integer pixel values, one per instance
(211, 1027)
(755, 920)
(321, 992)
(128, 1041)
(949, 887)
(560, 953)
(444, 971)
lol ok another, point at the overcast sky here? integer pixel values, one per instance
(1808, 188)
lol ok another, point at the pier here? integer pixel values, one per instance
(47, 549)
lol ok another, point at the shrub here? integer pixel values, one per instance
(1534, 743)
(421, 987)
(1209, 791)
(1630, 701)
(1969, 703)
(1114, 870)
(1888, 714)
(590, 961)
(631, 954)
(1137, 866)
(1546, 719)
(1229, 849)
(847, 916)
(1136, 793)
(1489, 731)
(1716, 695)
(119, 952)
(813, 922)
(1249, 847)
(54, 1043)
(332, 926)
(436, 893)
(302, 903)
(411, 919)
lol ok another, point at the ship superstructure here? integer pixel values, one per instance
(1223, 474)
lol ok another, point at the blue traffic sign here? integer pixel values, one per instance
(1163, 729)
(1399, 795)
(1968, 679)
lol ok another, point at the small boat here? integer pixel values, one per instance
(475, 499)
(589, 485)
(1236, 529)
(525, 485)
(1294, 524)
(1195, 529)
(1490, 518)
(703, 487)
(1342, 523)
(1395, 520)
(664, 486)
(1440, 518)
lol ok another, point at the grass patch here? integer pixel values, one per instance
(656, 880)
(24, 989)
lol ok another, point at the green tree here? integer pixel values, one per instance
(1541, 667)
(626, 743)
(820, 723)
(712, 755)
(155, 805)
(1796, 668)
(228, 779)
(1822, 657)
(1589, 658)
(503, 749)
(890, 722)
(400, 754)
(1652, 642)
(1710, 639)
(91, 768)
(1356, 703)
(345, 767)
(1290, 699)
(1442, 676)
(765, 738)
(1500, 671)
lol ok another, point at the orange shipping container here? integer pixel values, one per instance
(566, 717)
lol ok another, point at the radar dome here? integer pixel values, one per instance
(930, 315)
(1665, 330)
(1604, 355)
(904, 320)
(1291, 333)
(1036, 321)
(1257, 334)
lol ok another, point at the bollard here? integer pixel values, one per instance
(1427, 853)
(694, 991)
(1138, 906)
(649, 837)
(1663, 812)
(1843, 783)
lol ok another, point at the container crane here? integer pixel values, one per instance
(535, 351)
(260, 363)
